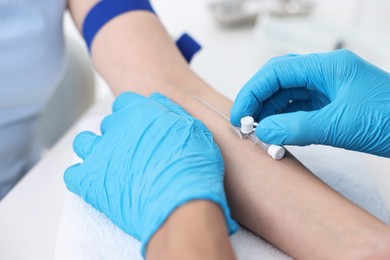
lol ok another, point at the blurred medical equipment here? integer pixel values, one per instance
(298, 35)
(358, 25)
(237, 12)
(247, 130)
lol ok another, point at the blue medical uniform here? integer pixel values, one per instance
(32, 55)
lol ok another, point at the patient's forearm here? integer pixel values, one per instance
(279, 200)
(196, 230)
(134, 52)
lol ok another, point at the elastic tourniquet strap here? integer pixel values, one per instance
(106, 10)
(187, 46)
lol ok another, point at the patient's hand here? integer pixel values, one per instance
(152, 157)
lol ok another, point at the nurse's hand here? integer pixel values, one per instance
(334, 98)
(152, 157)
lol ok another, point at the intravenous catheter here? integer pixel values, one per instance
(247, 130)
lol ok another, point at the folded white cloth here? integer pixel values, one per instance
(85, 233)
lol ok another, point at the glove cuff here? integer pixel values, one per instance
(170, 206)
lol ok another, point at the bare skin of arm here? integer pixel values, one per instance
(176, 239)
(280, 201)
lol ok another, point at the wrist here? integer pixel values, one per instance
(160, 207)
(204, 237)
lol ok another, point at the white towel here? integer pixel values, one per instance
(85, 233)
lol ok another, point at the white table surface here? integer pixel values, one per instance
(31, 212)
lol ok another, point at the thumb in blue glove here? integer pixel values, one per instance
(334, 98)
(152, 157)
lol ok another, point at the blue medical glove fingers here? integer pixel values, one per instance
(246, 103)
(128, 97)
(125, 99)
(354, 92)
(301, 99)
(290, 72)
(298, 128)
(73, 177)
(107, 123)
(128, 105)
(148, 161)
(281, 100)
(361, 126)
(284, 57)
(83, 143)
(299, 106)
(163, 100)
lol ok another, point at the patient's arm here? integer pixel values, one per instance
(196, 230)
(280, 201)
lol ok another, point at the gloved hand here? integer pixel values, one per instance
(334, 98)
(152, 157)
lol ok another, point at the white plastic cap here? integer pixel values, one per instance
(247, 124)
(275, 151)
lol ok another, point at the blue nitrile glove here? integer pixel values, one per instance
(152, 157)
(334, 98)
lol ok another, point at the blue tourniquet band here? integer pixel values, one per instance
(187, 46)
(106, 10)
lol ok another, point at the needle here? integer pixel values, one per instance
(275, 151)
(212, 108)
